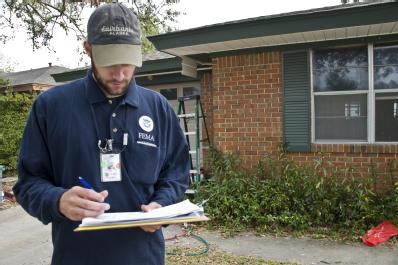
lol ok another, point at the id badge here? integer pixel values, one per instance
(110, 167)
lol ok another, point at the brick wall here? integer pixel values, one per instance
(207, 102)
(381, 167)
(246, 104)
(379, 160)
(242, 98)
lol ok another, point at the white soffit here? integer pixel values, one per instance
(292, 38)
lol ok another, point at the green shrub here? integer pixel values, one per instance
(14, 110)
(281, 196)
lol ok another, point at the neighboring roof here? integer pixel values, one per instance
(153, 62)
(347, 21)
(34, 76)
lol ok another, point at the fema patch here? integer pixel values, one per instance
(146, 123)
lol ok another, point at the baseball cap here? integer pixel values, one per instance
(113, 31)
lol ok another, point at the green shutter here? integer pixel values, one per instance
(296, 115)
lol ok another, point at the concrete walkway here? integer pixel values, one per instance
(25, 241)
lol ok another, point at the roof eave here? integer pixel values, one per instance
(148, 67)
(337, 17)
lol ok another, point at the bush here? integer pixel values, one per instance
(14, 110)
(281, 196)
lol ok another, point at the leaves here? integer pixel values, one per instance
(42, 18)
(154, 18)
(282, 196)
(14, 109)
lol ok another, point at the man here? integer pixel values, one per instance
(122, 139)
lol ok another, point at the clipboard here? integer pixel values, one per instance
(182, 212)
(129, 224)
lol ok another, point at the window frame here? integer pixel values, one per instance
(371, 100)
(173, 88)
(179, 87)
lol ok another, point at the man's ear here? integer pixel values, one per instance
(87, 47)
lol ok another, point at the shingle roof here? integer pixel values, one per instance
(156, 55)
(34, 76)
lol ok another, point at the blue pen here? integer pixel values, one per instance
(85, 183)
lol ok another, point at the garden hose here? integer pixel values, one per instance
(190, 234)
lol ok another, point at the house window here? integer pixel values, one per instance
(386, 93)
(340, 85)
(169, 93)
(340, 117)
(190, 91)
(386, 118)
(346, 106)
(386, 67)
(340, 69)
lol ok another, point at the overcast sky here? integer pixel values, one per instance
(18, 52)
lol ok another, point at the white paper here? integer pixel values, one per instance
(182, 208)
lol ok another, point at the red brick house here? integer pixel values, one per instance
(321, 80)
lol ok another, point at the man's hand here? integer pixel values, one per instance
(148, 208)
(78, 202)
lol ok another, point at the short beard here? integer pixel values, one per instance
(103, 85)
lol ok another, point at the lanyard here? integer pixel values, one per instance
(108, 147)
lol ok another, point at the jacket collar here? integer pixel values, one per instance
(95, 95)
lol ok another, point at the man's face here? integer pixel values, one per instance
(115, 79)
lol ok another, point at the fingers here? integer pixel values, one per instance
(91, 205)
(150, 207)
(147, 208)
(151, 228)
(91, 194)
(104, 193)
(78, 203)
(77, 214)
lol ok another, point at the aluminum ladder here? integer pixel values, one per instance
(186, 118)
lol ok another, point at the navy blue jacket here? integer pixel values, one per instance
(60, 144)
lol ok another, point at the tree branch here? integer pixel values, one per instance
(41, 17)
